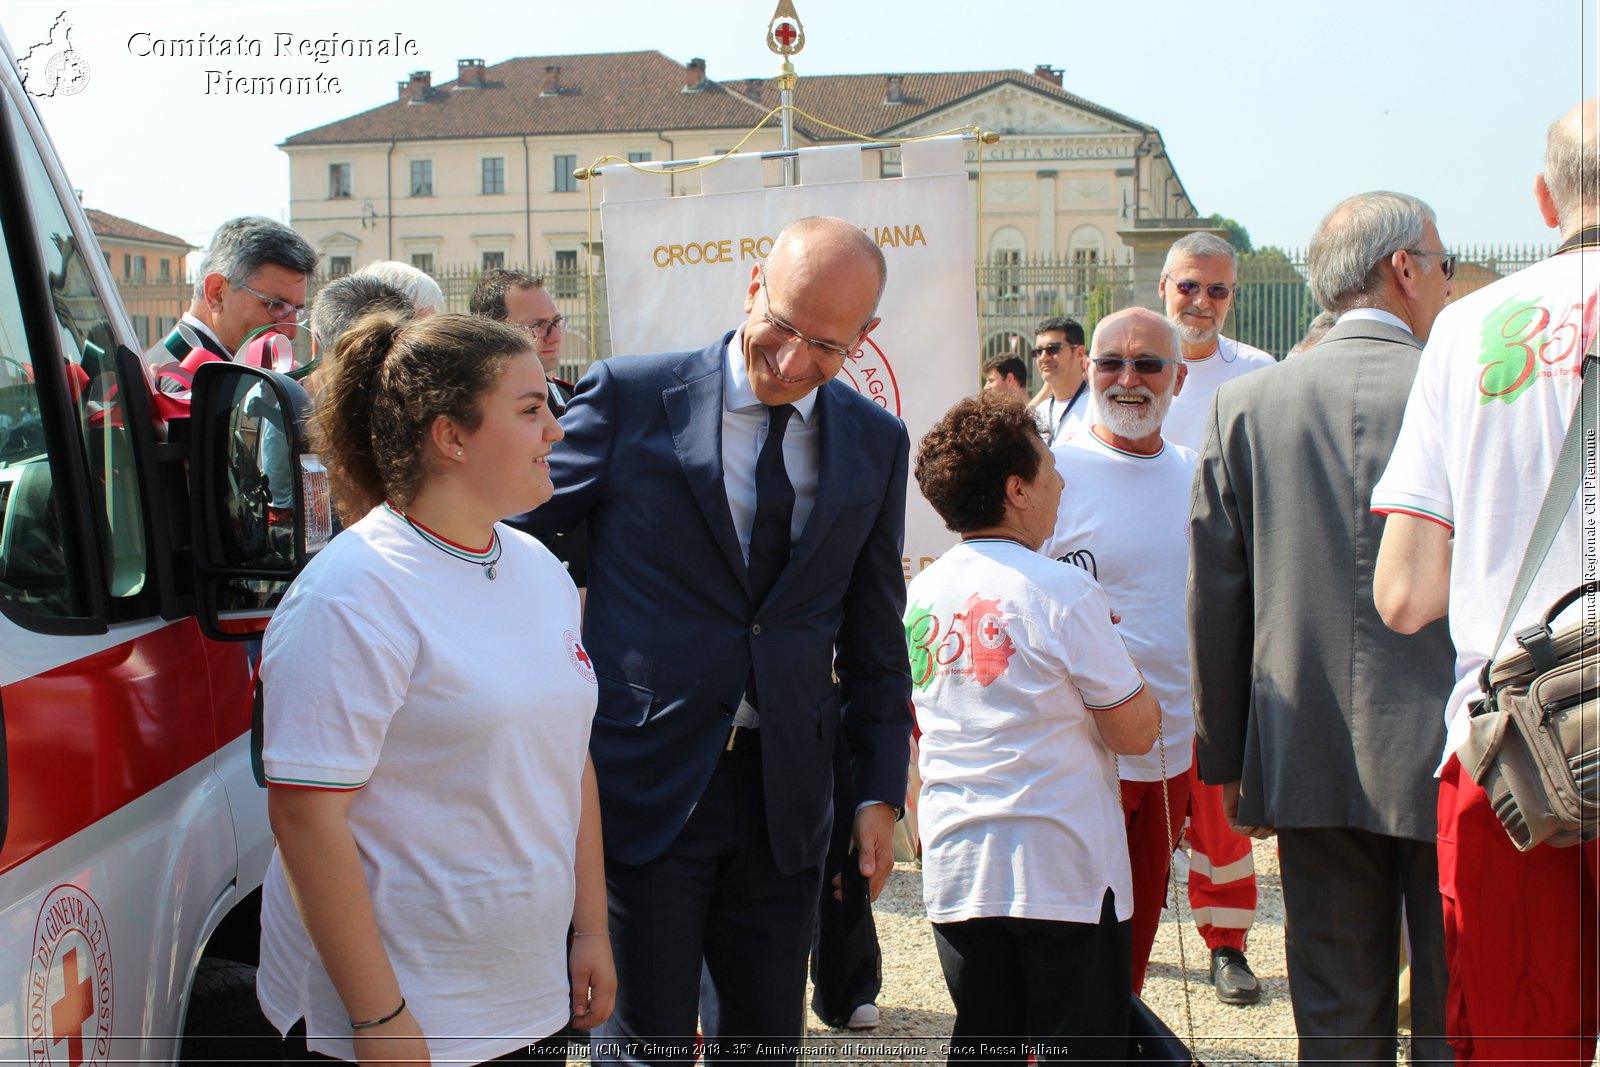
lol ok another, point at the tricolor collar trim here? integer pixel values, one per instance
(444, 544)
(1108, 446)
(994, 541)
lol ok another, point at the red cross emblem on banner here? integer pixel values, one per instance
(785, 33)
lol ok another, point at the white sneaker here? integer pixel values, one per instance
(864, 1017)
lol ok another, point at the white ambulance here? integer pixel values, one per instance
(133, 834)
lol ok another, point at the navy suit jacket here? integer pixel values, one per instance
(673, 630)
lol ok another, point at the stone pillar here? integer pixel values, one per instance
(1047, 211)
(1149, 242)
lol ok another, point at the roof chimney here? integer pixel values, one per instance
(694, 76)
(752, 88)
(1048, 73)
(552, 82)
(469, 74)
(892, 92)
(416, 89)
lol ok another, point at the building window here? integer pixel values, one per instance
(422, 177)
(566, 279)
(566, 166)
(141, 328)
(164, 270)
(494, 176)
(338, 181)
(423, 261)
(638, 157)
(133, 267)
(494, 260)
(338, 266)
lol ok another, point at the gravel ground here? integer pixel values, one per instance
(917, 1013)
(916, 1008)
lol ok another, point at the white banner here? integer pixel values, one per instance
(677, 269)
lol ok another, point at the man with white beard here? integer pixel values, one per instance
(1124, 518)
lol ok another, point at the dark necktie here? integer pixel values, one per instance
(769, 533)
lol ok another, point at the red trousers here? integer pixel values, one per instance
(1519, 935)
(1151, 839)
(1222, 872)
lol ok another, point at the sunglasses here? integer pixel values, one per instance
(1216, 290)
(1148, 365)
(1052, 349)
(1447, 264)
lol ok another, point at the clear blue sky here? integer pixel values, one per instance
(1271, 110)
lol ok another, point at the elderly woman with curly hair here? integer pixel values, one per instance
(1024, 694)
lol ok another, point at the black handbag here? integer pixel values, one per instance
(1152, 1041)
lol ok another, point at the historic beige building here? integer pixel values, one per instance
(151, 270)
(480, 171)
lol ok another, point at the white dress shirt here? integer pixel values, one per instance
(744, 431)
(1374, 315)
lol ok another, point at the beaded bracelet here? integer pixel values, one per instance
(370, 1023)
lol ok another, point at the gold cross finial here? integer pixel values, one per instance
(785, 35)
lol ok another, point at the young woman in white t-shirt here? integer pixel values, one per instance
(428, 703)
(1023, 691)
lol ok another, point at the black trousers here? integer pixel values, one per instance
(713, 905)
(1056, 991)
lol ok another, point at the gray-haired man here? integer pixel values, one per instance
(1314, 718)
(253, 275)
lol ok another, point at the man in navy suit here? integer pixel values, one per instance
(746, 516)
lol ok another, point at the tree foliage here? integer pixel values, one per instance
(1233, 231)
(1273, 305)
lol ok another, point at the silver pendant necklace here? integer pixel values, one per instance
(488, 559)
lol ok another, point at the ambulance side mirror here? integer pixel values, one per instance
(260, 501)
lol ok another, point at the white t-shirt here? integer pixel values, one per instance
(1019, 810)
(1496, 386)
(1124, 518)
(459, 709)
(1185, 423)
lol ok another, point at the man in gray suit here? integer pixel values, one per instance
(1318, 721)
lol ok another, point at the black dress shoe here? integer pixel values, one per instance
(1231, 975)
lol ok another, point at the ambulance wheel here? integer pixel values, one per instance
(225, 1024)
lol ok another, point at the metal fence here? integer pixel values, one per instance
(1271, 311)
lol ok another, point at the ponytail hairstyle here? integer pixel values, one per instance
(392, 379)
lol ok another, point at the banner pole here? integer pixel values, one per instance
(785, 37)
